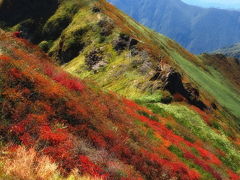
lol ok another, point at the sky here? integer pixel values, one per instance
(224, 4)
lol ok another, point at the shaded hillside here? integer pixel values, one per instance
(197, 29)
(29, 14)
(231, 51)
(229, 67)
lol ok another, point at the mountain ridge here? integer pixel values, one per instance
(231, 51)
(197, 29)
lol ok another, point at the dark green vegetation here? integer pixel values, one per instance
(191, 120)
(197, 29)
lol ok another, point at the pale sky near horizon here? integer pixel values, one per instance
(225, 4)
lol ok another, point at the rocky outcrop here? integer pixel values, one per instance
(106, 26)
(124, 42)
(94, 60)
(171, 80)
(96, 9)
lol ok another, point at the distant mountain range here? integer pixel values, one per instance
(197, 29)
(231, 51)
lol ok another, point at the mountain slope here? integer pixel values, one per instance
(99, 134)
(197, 29)
(117, 66)
(231, 51)
(182, 120)
(125, 57)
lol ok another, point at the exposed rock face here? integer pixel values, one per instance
(123, 42)
(96, 9)
(106, 27)
(172, 82)
(94, 60)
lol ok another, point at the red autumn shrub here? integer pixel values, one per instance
(5, 58)
(61, 154)
(179, 97)
(73, 84)
(63, 78)
(174, 169)
(123, 153)
(204, 165)
(233, 176)
(26, 91)
(18, 128)
(208, 156)
(57, 136)
(90, 168)
(17, 34)
(15, 73)
(96, 138)
(49, 69)
(26, 139)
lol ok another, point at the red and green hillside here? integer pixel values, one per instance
(100, 134)
(144, 107)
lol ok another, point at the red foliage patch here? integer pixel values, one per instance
(233, 176)
(175, 168)
(90, 168)
(17, 34)
(201, 163)
(64, 79)
(18, 128)
(179, 97)
(55, 137)
(26, 139)
(208, 156)
(15, 73)
(96, 138)
(5, 58)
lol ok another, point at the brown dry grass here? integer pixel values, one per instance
(25, 164)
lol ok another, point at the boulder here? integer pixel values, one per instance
(124, 42)
(96, 9)
(106, 27)
(171, 80)
(94, 60)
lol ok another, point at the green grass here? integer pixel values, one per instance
(192, 121)
(213, 83)
(204, 174)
